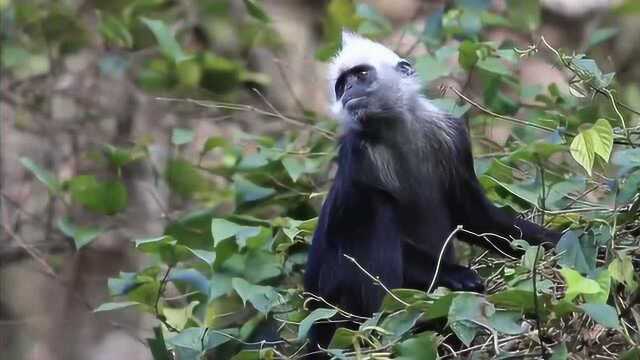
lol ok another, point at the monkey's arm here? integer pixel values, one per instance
(476, 213)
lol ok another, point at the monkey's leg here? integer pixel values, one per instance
(470, 208)
(480, 216)
(420, 268)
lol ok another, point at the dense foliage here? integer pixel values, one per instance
(237, 249)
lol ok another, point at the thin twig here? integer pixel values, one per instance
(156, 305)
(376, 280)
(440, 257)
(241, 107)
(288, 85)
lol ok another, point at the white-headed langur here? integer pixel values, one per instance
(405, 181)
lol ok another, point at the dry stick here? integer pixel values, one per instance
(340, 311)
(503, 117)
(240, 107)
(541, 336)
(287, 83)
(376, 280)
(444, 247)
(519, 121)
(602, 91)
(156, 307)
(485, 237)
(48, 271)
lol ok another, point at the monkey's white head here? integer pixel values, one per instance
(369, 82)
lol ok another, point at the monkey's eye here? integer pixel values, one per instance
(405, 67)
(362, 75)
(340, 87)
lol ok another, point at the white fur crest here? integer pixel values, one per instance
(357, 50)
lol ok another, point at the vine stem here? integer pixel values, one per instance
(376, 280)
(156, 305)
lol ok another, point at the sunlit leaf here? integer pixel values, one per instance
(603, 141)
(582, 150)
(577, 284)
(256, 10)
(44, 176)
(181, 136)
(81, 235)
(315, 315)
(422, 346)
(108, 197)
(165, 37)
(115, 306)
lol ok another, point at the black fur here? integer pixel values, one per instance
(397, 234)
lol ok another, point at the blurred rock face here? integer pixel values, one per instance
(398, 11)
(577, 8)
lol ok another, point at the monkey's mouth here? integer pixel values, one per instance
(354, 103)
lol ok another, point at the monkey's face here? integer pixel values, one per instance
(367, 96)
(370, 85)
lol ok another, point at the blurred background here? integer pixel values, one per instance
(101, 102)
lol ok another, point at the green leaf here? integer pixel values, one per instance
(450, 106)
(115, 306)
(515, 299)
(107, 197)
(507, 322)
(621, 270)
(400, 323)
(168, 44)
(214, 142)
(81, 236)
(158, 346)
(409, 296)
(220, 284)
(184, 178)
(44, 176)
(601, 35)
(256, 11)
(598, 140)
(315, 315)
(582, 150)
(262, 265)
(181, 136)
(429, 68)
(467, 54)
(573, 255)
(603, 139)
(524, 14)
(115, 30)
(343, 338)
(178, 317)
(603, 314)
(263, 298)
(209, 257)
(246, 191)
(494, 65)
(200, 340)
(372, 23)
(603, 278)
(294, 166)
(164, 246)
(472, 307)
(222, 229)
(422, 346)
(120, 157)
(560, 352)
(577, 284)
(633, 354)
(465, 330)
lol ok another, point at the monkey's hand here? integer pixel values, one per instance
(460, 278)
